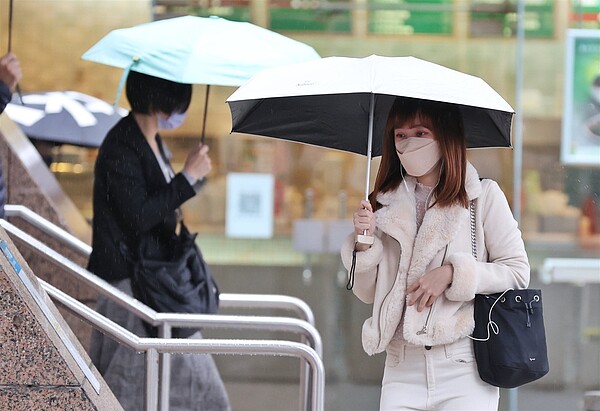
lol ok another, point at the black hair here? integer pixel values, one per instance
(148, 94)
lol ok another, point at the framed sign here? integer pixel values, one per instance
(580, 143)
(249, 205)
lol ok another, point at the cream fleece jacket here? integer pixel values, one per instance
(400, 256)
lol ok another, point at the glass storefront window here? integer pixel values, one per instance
(560, 202)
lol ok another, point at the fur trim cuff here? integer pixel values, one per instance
(464, 281)
(365, 260)
(370, 338)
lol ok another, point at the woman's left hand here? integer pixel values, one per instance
(429, 287)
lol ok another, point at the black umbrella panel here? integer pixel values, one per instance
(64, 117)
(341, 121)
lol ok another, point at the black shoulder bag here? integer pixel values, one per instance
(182, 284)
(514, 352)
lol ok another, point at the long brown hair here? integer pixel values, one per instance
(445, 121)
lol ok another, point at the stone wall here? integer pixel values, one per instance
(39, 370)
(31, 184)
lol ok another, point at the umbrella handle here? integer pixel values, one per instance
(364, 238)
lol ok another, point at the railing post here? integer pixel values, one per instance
(305, 383)
(151, 395)
(164, 364)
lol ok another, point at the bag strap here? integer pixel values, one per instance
(473, 226)
(491, 324)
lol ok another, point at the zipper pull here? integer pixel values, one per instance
(424, 329)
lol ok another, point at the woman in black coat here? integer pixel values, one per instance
(137, 197)
(136, 194)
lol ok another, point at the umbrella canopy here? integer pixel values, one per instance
(198, 50)
(343, 102)
(64, 117)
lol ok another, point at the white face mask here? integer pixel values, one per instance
(418, 155)
(173, 121)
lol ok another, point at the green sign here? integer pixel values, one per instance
(229, 13)
(407, 17)
(498, 18)
(310, 19)
(585, 14)
(231, 10)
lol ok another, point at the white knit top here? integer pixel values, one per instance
(422, 195)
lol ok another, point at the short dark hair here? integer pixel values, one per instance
(148, 94)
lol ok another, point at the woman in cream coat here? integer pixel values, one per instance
(419, 273)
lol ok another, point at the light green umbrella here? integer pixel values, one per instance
(198, 50)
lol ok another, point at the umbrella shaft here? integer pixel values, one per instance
(204, 115)
(370, 145)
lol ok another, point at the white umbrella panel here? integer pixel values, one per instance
(337, 102)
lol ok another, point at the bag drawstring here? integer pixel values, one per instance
(529, 309)
(350, 283)
(491, 323)
(494, 327)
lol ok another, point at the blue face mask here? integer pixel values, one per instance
(173, 121)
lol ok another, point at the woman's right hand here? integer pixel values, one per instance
(198, 164)
(10, 70)
(364, 220)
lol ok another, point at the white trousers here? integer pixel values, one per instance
(442, 377)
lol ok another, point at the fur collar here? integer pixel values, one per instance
(397, 218)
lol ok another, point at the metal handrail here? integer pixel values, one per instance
(226, 300)
(153, 346)
(147, 314)
(166, 321)
(268, 301)
(47, 227)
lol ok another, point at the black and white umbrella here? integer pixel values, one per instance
(343, 102)
(64, 117)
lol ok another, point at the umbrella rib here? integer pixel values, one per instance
(500, 131)
(242, 119)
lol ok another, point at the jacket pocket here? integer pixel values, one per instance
(394, 355)
(461, 351)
